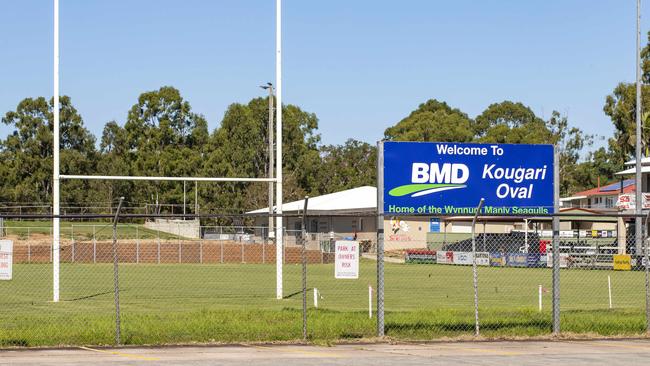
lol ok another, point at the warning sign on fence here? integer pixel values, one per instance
(6, 259)
(346, 262)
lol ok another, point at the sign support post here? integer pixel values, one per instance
(556, 243)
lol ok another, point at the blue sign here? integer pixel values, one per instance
(436, 178)
(534, 260)
(517, 259)
(434, 225)
(497, 260)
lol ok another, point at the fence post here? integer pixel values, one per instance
(51, 247)
(647, 278)
(201, 250)
(264, 252)
(116, 276)
(474, 269)
(137, 245)
(556, 244)
(72, 239)
(158, 236)
(242, 250)
(180, 250)
(94, 246)
(29, 247)
(303, 236)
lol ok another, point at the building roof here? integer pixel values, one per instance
(361, 199)
(607, 190)
(644, 161)
(632, 170)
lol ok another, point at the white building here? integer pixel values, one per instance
(349, 213)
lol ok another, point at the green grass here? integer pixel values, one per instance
(183, 303)
(102, 230)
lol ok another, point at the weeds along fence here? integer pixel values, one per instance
(180, 281)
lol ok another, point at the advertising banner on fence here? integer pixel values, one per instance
(482, 258)
(497, 260)
(517, 260)
(6, 259)
(534, 260)
(564, 260)
(445, 257)
(437, 178)
(465, 258)
(622, 262)
(419, 256)
(346, 260)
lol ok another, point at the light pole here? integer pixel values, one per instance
(638, 222)
(269, 87)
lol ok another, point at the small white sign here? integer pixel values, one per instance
(346, 262)
(482, 258)
(463, 258)
(6, 259)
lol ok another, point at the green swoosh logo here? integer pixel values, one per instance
(414, 188)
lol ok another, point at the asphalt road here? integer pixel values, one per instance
(543, 353)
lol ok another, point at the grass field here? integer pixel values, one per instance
(183, 303)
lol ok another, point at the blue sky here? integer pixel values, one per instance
(359, 65)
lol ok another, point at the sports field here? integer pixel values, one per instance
(184, 303)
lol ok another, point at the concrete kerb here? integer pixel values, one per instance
(574, 337)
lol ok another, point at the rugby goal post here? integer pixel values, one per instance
(56, 224)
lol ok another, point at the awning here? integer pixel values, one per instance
(644, 169)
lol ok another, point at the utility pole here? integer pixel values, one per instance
(269, 87)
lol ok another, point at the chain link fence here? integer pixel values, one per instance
(182, 282)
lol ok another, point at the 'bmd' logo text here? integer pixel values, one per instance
(431, 178)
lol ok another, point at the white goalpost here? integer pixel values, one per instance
(56, 232)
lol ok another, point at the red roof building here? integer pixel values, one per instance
(600, 198)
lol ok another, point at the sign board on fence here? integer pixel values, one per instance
(497, 260)
(445, 257)
(517, 260)
(436, 178)
(564, 260)
(346, 260)
(6, 259)
(533, 260)
(464, 258)
(482, 258)
(622, 262)
(419, 256)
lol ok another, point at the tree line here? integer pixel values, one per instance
(163, 136)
